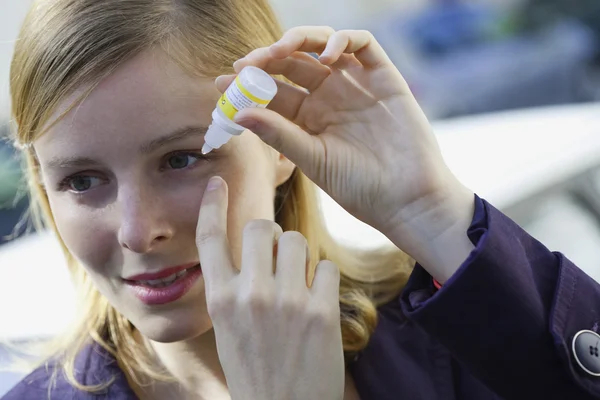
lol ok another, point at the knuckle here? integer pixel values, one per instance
(256, 301)
(328, 29)
(290, 305)
(370, 37)
(360, 35)
(219, 303)
(304, 29)
(323, 317)
(364, 32)
(345, 33)
(296, 30)
(257, 54)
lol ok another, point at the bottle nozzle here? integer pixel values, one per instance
(206, 149)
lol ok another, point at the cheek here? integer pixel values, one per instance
(181, 208)
(85, 232)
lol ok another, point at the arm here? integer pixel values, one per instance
(510, 312)
(383, 165)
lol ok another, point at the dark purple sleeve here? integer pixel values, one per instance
(511, 312)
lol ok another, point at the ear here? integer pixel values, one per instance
(283, 169)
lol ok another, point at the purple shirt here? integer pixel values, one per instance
(501, 327)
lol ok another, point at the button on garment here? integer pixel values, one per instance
(587, 352)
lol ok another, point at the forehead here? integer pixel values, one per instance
(147, 96)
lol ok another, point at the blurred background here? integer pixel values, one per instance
(512, 88)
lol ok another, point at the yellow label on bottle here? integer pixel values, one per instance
(237, 97)
(225, 105)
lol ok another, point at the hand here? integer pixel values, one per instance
(276, 337)
(354, 128)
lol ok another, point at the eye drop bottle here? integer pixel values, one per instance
(253, 87)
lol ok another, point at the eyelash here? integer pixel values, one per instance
(198, 156)
(64, 184)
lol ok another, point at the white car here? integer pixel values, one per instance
(539, 166)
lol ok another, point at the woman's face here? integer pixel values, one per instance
(125, 178)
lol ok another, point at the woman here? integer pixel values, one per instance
(189, 290)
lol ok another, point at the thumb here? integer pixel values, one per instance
(303, 149)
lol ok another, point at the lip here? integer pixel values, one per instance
(151, 296)
(148, 276)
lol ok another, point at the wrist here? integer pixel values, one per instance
(433, 231)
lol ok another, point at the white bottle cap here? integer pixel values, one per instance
(258, 82)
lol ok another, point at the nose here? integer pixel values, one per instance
(144, 222)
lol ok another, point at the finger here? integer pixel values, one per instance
(288, 100)
(259, 238)
(284, 136)
(211, 235)
(346, 61)
(222, 82)
(292, 259)
(361, 43)
(326, 284)
(299, 67)
(309, 39)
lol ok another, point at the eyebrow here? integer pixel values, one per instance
(153, 145)
(179, 134)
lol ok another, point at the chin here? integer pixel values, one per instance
(173, 325)
(163, 329)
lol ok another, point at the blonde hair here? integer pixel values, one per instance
(65, 44)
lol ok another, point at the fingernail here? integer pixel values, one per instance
(323, 57)
(238, 62)
(214, 183)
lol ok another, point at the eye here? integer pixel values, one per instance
(183, 160)
(80, 183)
